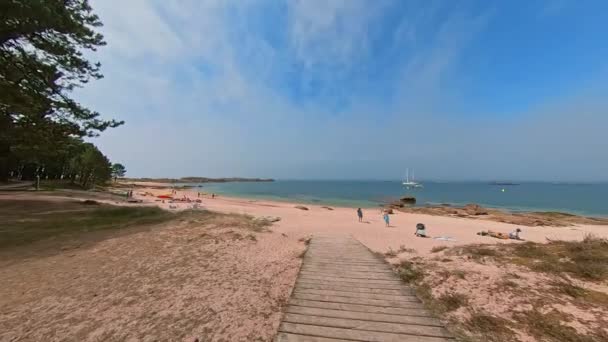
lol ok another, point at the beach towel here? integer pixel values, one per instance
(444, 238)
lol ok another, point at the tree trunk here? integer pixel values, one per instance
(5, 148)
(5, 152)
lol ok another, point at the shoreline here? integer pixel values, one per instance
(387, 204)
(321, 220)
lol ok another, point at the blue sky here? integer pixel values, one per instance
(355, 89)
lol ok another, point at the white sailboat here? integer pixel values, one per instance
(410, 183)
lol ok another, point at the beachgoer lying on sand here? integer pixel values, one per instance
(420, 230)
(493, 234)
(515, 234)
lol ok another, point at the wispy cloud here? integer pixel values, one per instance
(301, 89)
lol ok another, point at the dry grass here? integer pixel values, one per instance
(483, 326)
(475, 252)
(221, 220)
(408, 272)
(43, 226)
(577, 271)
(582, 296)
(459, 274)
(549, 327)
(452, 301)
(26, 222)
(391, 253)
(438, 249)
(200, 275)
(587, 259)
(403, 249)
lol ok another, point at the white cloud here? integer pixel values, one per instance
(175, 74)
(329, 32)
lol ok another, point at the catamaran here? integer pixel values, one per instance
(410, 183)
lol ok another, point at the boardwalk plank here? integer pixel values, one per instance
(373, 317)
(355, 334)
(399, 297)
(352, 289)
(285, 337)
(348, 323)
(353, 284)
(345, 293)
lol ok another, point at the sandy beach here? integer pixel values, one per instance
(298, 223)
(203, 274)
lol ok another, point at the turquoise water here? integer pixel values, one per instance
(584, 199)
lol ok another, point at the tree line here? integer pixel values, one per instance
(42, 128)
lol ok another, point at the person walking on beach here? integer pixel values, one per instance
(360, 214)
(386, 218)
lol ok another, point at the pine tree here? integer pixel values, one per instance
(42, 44)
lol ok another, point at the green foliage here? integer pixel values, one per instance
(118, 170)
(48, 219)
(42, 44)
(409, 273)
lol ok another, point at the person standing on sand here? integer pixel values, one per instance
(386, 218)
(360, 214)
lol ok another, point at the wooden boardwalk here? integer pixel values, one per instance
(345, 293)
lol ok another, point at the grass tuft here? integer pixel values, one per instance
(403, 249)
(549, 327)
(490, 328)
(408, 272)
(391, 253)
(438, 249)
(587, 259)
(452, 301)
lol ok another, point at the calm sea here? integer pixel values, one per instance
(584, 199)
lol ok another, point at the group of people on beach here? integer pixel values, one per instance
(421, 229)
(385, 216)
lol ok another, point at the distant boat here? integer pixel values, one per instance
(410, 183)
(504, 183)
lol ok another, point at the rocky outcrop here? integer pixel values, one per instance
(408, 200)
(530, 219)
(474, 209)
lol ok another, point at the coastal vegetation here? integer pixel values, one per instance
(55, 218)
(555, 291)
(182, 275)
(197, 180)
(43, 47)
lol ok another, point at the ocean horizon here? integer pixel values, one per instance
(581, 198)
